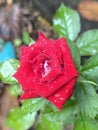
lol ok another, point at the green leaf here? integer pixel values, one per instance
(46, 124)
(88, 43)
(26, 38)
(67, 115)
(7, 69)
(31, 41)
(85, 123)
(15, 90)
(31, 105)
(87, 99)
(90, 69)
(20, 120)
(66, 22)
(75, 53)
(91, 63)
(87, 79)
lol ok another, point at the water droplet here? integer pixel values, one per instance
(40, 42)
(32, 48)
(94, 51)
(55, 101)
(22, 56)
(30, 61)
(68, 64)
(57, 95)
(66, 90)
(55, 65)
(51, 86)
(43, 51)
(34, 70)
(41, 65)
(55, 82)
(30, 93)
(62, 99)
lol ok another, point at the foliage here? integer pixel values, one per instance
(66, 23)
(81, 110)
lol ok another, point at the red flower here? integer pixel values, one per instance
(47, 70)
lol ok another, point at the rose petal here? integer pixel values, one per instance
(24, 50)
(28, 94)
(67, 58)
(62, 78)
(42, 39)
(63, 94)
(24, 77)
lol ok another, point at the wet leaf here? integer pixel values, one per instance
(90, 69)
(88, 43)
(66, 23)
(46, 124)
(85, 123)
(87, 99)
(20, 120)
(75, 53)
(32, 105)
(15, 90)
(91, 63)
(55, 115)
(26, 38)
(7, 69)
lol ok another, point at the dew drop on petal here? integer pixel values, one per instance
(55, 65)
(29, 92)
(62, 99)
(66, 90)
(32, 48)
(40, 42)
(34, 70)
(55, 101)
(43, 51)
(55, 82)
(22, 56)
(41, 65)
(68, 64)
(57, 95)
(51, 86)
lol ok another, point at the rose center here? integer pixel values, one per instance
(47, 68)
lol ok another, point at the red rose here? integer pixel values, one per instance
(47, 69)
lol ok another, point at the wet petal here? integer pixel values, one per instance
(63, 94)
(42, 39)
(23, 50)
(28, 94)
(69, 67)
(54, 79)
(25, 78)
